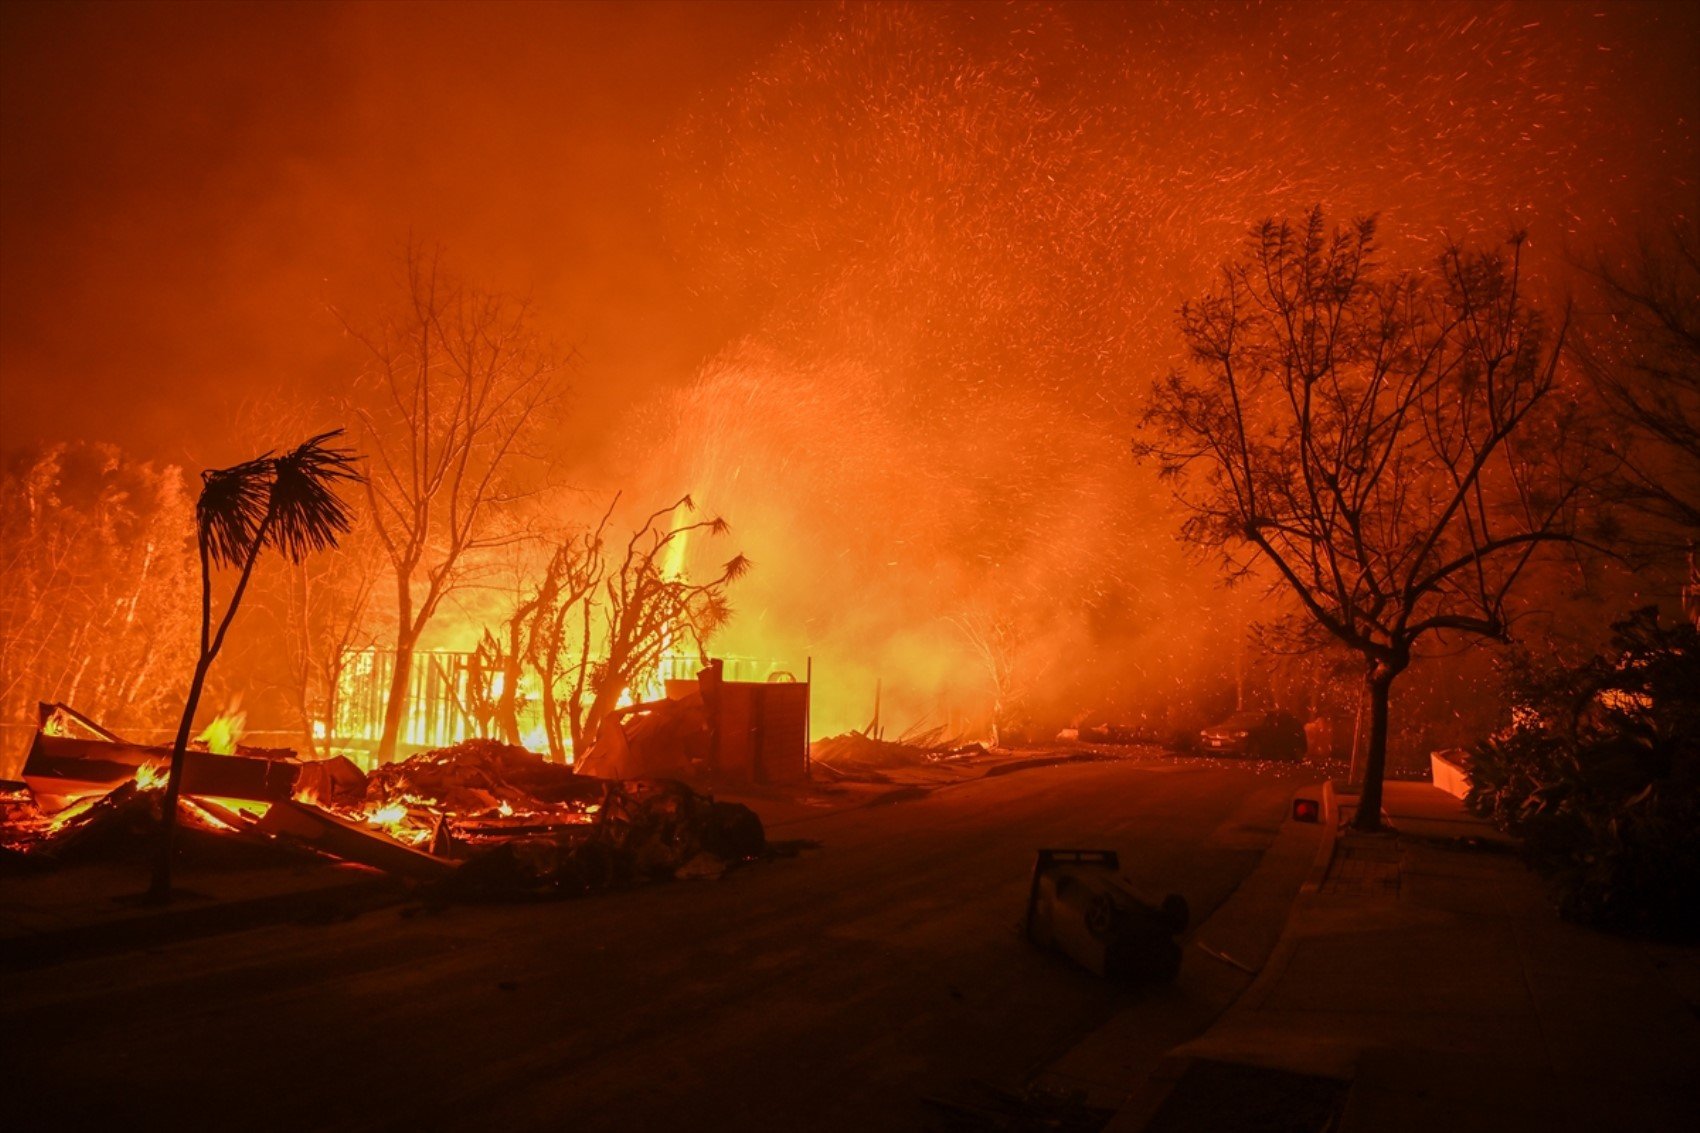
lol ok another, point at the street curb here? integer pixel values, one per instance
(322, 905)
(1282, 953)
(1144, 1102)
(1324, 851)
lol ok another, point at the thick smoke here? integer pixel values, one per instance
(960, 235)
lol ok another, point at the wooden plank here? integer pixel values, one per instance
(332, 834)
(46, 710)
(60, 769)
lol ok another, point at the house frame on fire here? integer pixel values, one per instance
(755, 712)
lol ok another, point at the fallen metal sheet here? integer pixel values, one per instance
(125, 823)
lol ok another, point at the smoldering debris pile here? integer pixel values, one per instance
(859, 757)
(481, 777)
(478, 820)
(93, 828)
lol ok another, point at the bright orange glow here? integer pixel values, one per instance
(222, 735)
(443, 684)
(884, 285)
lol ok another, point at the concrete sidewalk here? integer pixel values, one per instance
(1424, 982)
(96, 908)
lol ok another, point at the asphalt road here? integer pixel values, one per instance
(835, 990)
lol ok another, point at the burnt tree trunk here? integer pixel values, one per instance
(396, 704)
(552, 719)
(507, 701)
(159, 891)
(1380, 685)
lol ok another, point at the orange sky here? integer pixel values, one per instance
(187, 187)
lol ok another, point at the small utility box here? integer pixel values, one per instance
(1080, 906)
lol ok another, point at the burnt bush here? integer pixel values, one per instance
(1599, 774)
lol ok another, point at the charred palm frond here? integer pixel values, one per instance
(713, 612)
(232, 508)
(307, 514)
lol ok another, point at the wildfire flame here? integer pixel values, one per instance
(223, 733)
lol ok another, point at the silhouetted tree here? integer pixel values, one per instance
(1643, 356)
(1386, 441)
(647, 609)
(603, 625)
(459, 381)
(996, 641)
(289, 502)
(551, 631)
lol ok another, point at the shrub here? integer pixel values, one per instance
(1599, 773)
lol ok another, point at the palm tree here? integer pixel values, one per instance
(288, 501)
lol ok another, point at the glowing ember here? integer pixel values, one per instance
(407, 820)
(387, 815)
(71, 813)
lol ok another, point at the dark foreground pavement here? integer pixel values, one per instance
(1424, 982)
(836, 990)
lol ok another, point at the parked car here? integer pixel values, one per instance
(1259, 734)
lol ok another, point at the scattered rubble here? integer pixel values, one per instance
(480, 776)
(645, 829)
(858, 756)
(671, 738)
(477, 820)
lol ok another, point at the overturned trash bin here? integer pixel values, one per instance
(1079, 905)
